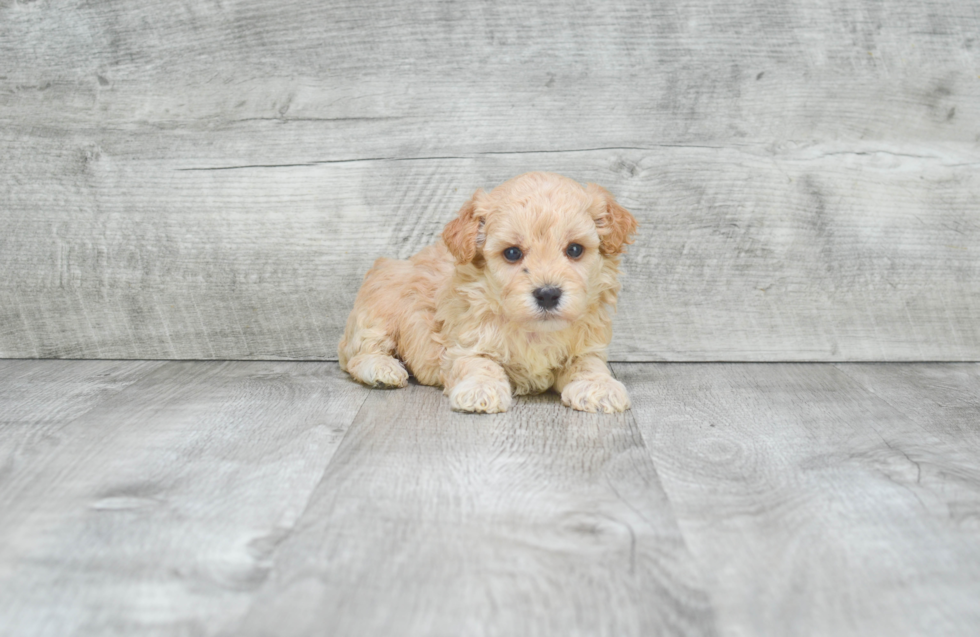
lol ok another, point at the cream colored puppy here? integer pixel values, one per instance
(515, 299)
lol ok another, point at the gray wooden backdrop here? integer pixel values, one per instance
(211, 179)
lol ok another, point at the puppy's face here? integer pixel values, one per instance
(543, 244)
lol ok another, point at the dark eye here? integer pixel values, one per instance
(513, 254)
(574, 250)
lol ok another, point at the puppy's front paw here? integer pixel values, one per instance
(604, 395)
(480, 395)
(378, 370)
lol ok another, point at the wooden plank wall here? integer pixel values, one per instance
(211, 179)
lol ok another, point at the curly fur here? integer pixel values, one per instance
(459, 315)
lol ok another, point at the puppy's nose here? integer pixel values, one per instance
(547, 297)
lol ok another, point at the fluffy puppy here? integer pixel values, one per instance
(515, 299)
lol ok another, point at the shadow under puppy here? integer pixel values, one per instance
(516, 298)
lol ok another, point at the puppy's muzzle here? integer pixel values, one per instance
(547, 297)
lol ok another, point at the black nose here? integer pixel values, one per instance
(547, 297)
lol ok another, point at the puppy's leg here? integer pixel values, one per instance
(477, 384)
(378, 370)
(367, 350)
(366, 355)
(586, 385)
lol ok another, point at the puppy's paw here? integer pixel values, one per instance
(603, 395)
(378, 370)
(480, 395)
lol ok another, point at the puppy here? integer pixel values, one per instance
(515, 299)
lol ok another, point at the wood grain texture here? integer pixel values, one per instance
(261, 498)
(942, 403)
(540, 521)
(39, 400)
(812, 505)
(156, 511)
(740, 255)
(212, 180)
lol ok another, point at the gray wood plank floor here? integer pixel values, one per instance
(815, 506)
(260, 498)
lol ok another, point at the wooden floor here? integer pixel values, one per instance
(280, 498)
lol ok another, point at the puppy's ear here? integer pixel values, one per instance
(464, 234)
(614, 223)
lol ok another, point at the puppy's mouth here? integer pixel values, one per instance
(549, 315)
(548, 325)
(549, 321)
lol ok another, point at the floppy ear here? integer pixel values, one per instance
(614, 223)
(463, 235)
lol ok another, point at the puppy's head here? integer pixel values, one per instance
(546, 247)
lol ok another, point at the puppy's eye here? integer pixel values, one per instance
(513, 254)
(574, 250)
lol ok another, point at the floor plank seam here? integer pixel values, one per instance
(235, 626)
(328, 465)
(638, 432)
